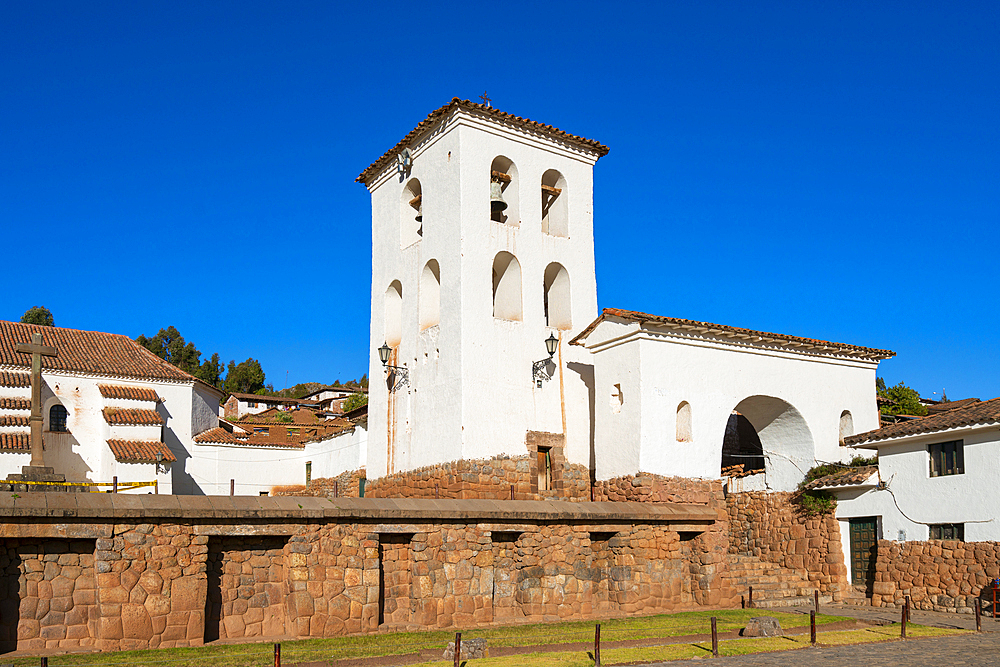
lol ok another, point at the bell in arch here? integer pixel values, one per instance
(497, 203)
(420, 214)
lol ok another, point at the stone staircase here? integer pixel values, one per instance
(773, 585)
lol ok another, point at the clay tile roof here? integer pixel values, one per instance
(974, 414)
(131, 393)
(15, 442)
(950, 405)
(15, 403)
(493, 114)
(14, 379)
(13, 420)
(132, 416)
(848, 477)
(791, 343)
(140, 451)
(93, 352)
(259, 398)
(216, 435)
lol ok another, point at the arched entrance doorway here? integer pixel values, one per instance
(770, 439)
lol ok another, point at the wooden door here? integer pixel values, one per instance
(864, 549)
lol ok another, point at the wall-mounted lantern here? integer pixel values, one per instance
(539, 369)
(401, 373)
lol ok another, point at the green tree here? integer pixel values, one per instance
(364, 381)
(38, 315)
(168, 344)
(247, 377)
(904, 401)
(211, 371)
(354, 401)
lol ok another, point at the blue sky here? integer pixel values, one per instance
(829, 170)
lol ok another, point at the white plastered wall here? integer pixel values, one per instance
(661, 371)
(904, 466)
(471, 393)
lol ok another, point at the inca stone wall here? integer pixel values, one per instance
(129, 572)
(940, 575)
(495, 478)
(47, 594)
(345, 485)
(246, 587)
(773, 528)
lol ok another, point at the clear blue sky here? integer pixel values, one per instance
(829, 170)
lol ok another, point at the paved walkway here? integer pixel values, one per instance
(976, 650)
(892, 614)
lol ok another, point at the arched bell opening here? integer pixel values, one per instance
(411, 214)
(504, 192)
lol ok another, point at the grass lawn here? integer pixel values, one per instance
(731, 647)
(661, 626)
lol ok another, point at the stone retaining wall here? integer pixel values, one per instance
(773, 528)
(345, 485)
(49, 585)
(493, 478)
(940, 575)
(133, 572)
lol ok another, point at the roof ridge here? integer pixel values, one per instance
(644, 318)
(437, 114)
(942, 421)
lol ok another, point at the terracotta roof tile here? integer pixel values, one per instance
(13, 420)
(132, 416)
(736, 333)
(15, 403)
(140, 451)
(92, 352)
(494, 114)
(848, 477)
(15, 442)
(14, 379)
(216, 435)
(983, 412)
(130, 393)
(937, 408)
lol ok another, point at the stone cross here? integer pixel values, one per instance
(36, 350)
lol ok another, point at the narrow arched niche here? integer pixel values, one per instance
(394, 314)
(555, 213)
(684, 422)
(411, 207)
(506, 287)
(430, 295)
(846, 425)
(504, 173)
(556, 297)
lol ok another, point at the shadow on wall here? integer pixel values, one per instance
(181, 481)
(586, 373)
(10, 601)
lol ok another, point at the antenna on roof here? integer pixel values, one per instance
(486, 100)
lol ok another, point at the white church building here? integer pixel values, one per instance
(483, 250)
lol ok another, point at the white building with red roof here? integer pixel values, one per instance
(483, 248)
(112, 409)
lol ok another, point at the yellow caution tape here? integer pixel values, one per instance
(121, 485)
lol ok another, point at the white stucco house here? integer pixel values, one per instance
(668, 388)
(936, 479)
(112, 408)
(483, 248)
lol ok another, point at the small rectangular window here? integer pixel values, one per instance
(948, 531)
(946, 458)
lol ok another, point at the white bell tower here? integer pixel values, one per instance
(465, 290)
